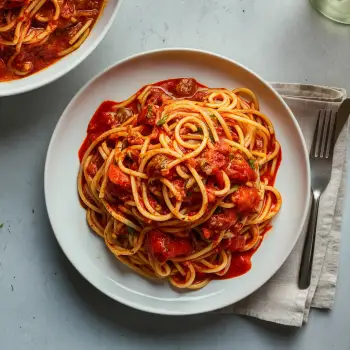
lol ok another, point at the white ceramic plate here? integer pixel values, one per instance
(68, 62)
(87, 252)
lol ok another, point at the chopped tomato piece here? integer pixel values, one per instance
(212, 162)
(246, 199)
(118, 192)
(119, 178)
(157, 163)
(148, 115)
(223, 147)
(164, 247)
(222, 221)
(239, 170)
(234, 244)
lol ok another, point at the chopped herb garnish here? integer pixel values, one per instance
(131, 231)
(199, 130)
(211, 136)
(252, 163)
(218, 210)
(163, 162)
(149, 111)
(231, 156)
(1, 225)
(213, 116)
(162, 120)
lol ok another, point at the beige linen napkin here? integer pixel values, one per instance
(280, 300)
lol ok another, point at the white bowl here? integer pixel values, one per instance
(87, 252)
(66, 63)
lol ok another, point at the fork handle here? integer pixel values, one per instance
(309, 245)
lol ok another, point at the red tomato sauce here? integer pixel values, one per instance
(272, 178)
(97, 125)
(240, 264)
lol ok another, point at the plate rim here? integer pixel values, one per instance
(144, 307)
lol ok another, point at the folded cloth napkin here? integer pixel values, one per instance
(280, 299)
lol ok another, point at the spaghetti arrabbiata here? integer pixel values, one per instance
(36, 33)
(179, 180)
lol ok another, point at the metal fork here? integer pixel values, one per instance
(321, 157)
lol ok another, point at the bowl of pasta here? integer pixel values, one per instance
(42, 40)
(171, 189)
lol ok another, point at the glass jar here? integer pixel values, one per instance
(338, 10)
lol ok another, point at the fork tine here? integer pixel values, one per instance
(320, 134)
(314, 141)
(325, 138)
(329, 134)
(330, 149)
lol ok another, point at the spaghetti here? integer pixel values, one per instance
(179, 180)
(36, 33)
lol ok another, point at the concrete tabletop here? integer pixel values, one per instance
(44, 302)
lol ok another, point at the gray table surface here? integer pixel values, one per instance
(44, 302)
